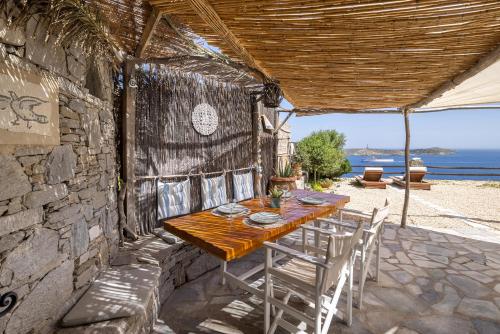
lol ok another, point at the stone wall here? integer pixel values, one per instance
(58, 209)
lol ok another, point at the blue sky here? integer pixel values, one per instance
(470, 129)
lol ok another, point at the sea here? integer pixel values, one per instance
(461, 158)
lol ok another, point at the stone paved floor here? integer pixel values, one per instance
(430, 283)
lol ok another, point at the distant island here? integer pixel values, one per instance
(376, 151)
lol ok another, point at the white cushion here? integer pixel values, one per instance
(174, 199)
(418, 169)
(213, 192)
(374, 169)
(243, 186)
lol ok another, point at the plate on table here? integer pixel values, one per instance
(286, 194)
(265, 217)
(312, 200)
(231, 208)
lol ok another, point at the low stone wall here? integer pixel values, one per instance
(58, 204)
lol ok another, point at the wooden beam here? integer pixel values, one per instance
(484, 62)
(148, 32)
(290, 113)
(317, 111)
(407, 168)
(128, 137)
(208, 14)
(256, 148)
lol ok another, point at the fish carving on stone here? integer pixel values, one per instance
(23, 106)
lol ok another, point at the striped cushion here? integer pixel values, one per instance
(213, 191)
(243, 186)
(174, 199)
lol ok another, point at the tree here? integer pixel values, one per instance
(322, 154)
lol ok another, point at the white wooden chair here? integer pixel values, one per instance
(371, 240)
(316, 279)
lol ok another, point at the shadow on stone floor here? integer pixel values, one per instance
(430, 282)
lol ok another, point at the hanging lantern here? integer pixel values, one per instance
(272, 95)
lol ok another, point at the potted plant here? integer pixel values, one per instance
(275, 195)
(284, 177)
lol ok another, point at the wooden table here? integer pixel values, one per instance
(229, 240)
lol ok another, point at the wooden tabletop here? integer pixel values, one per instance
(231, 239)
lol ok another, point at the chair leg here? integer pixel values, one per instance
(223, 267)
(377, 272)
(279, 314)
(267, 290)
(349, 291)
(361, 277)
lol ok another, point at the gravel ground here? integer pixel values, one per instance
(450, 204)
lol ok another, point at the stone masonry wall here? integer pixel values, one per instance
(58, 204)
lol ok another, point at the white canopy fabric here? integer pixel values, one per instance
(482, 88)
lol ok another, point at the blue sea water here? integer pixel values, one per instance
(465, 158)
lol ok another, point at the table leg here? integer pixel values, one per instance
(223, 267)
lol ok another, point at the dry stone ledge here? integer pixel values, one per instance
(124, 291)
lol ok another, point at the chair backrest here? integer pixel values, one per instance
(339, 250)
(373, 174)
(417, 174)
(378, 217)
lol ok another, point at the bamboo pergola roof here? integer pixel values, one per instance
(340, 55)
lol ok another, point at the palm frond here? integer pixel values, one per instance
(70, 22)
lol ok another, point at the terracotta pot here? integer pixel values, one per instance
(280, 182)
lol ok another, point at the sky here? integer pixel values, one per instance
(457, 129)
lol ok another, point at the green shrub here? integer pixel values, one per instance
(316, 187)
(326, 183)
(322, 154)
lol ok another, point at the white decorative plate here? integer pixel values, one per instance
(204, 119)
(265, 217)
(231, 208)
(311, 200)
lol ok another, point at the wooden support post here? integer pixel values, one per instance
(407, 167)
(256, 149)
(128, 138)
(275, 139)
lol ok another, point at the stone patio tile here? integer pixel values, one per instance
(401, 276)
(461, 259)
(436, 324)
(458, 266)
(414, 289)
(403, 258)
(414, 270)
(434, 250)
(468, 286)
(497, 288)
(436, 273)
(429, 264)
(478, 308)
(449, 302)
(476, 266)
(387, 266)
(399, 301)
(486, 327)
(478, 276)
(382, 321)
